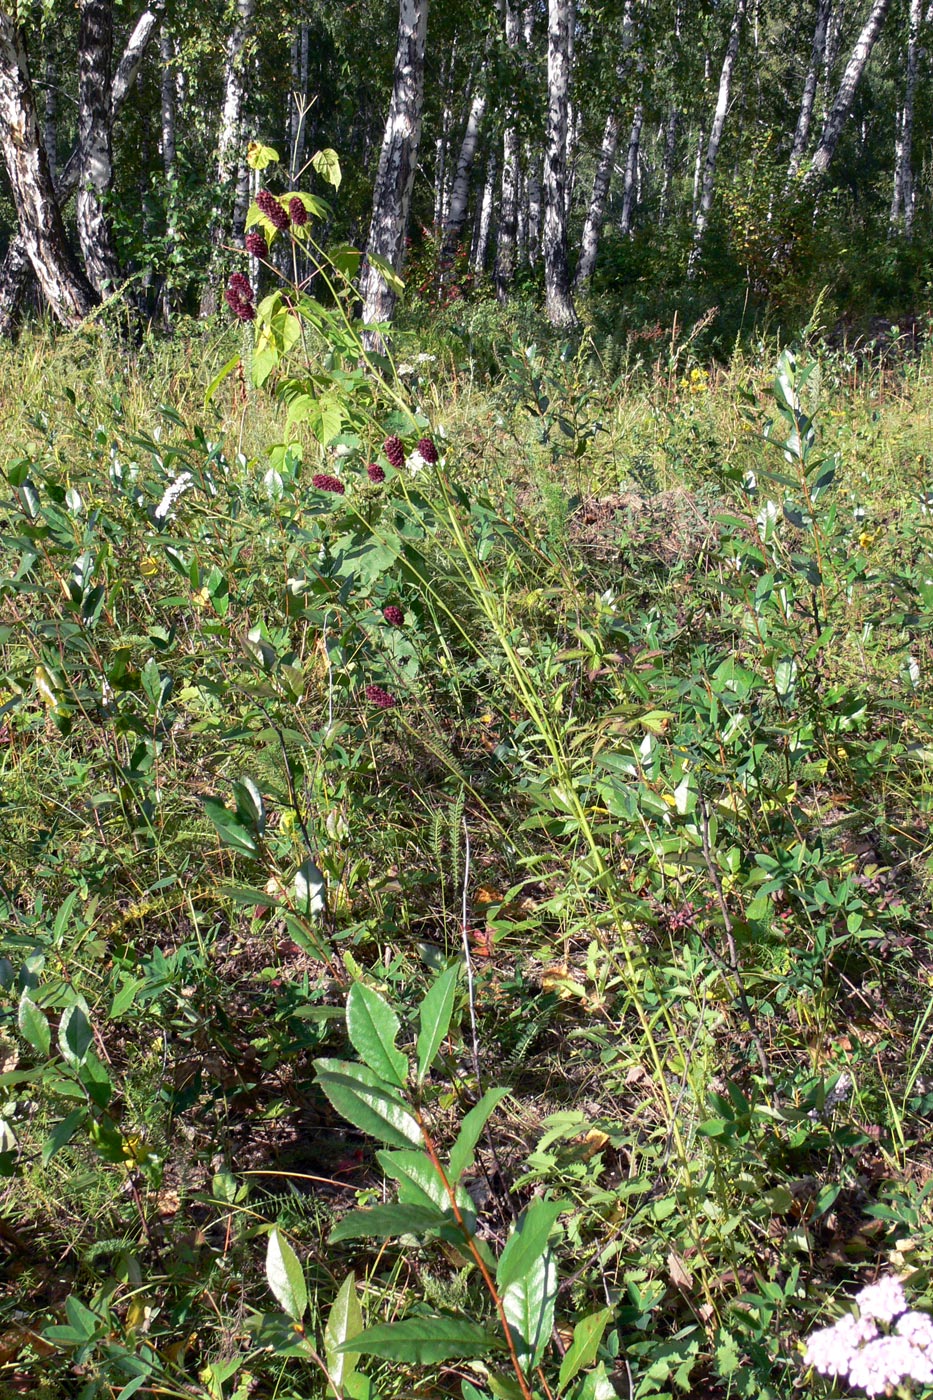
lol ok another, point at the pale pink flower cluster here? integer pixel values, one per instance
(856, 1350)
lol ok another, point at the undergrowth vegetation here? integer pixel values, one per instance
(466, 871)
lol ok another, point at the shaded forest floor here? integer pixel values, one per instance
(625, 708)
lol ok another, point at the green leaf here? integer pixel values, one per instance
(344, 1322)
(251, 809)
(285, 1276)
(596, 1386)
(373, 1108)
(75, 1036)
(528, 1241)
(230, 828)
(425, 1340)
(434, 1018)
(390, 276)
(34, 1025)
(259, 156)
(388, 1222)
(461, 1154)
(372, 1026)
(419, 1183)
(528, 1304)
(587, 1335)
(62, 1134)
(310, 888)
(327, 165)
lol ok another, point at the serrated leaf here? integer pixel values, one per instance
(587, 1335)
(371, 1108)
(528, 1304)
(285, 1276)
(528, 1241)
(425, 1340)
(461, 1154)
(434, 1018)
(372, 1026)
(34, 1025)
(344, 1322)
(230, 828)
(75, 1036)
(388, 1222)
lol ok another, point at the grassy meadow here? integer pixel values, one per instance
(464, 925)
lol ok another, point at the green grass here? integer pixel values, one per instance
(677, 763)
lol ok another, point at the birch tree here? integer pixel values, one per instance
(460, 189)
(95, 155)
(398, 161)
(557, 298)
(228, 144)
(805, 116)
(903, 199)
(506, 236)
(845, 96)
(705, 202)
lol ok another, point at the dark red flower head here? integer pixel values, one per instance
(297, 211)
(375, 473)
(428, 450)
(238, 295)
(393, 615)
(322, 482)
(395, 451)
(239, 285)
(256, 245)
(379, 697)
(270, 206)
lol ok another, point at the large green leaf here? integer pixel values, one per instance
(372, 1026)
(75, 1036)
(285, 1276)
(425, 1340)
(373, 1108)
(528, 1304)
(231, 829)
(344, 1322)
(388, 1222)
(419, 1183)
(528, 1241)
(461, 1154)
(34, 1025)
(587, 1335)
(434, 1017)
(327, 165)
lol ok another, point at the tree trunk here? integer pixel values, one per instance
(16, 267)
(835, 121)
(95, 157)
(50, 111)
(480, 249)
(40, 220)
(508, 208)
(398, 161)
(535, 205)
(460, 190)
(817, 50)
(297, 135)
(228, 141)
(715, 136)
(904, 198)
(558, 301)
(589, 242)
(670, 156)
(631, 172)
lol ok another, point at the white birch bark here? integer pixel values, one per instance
(398, 161)
(460, 189)
(670, 156)
(904, 198)
(557, 299)
(228, 141)
(298, 102)
(50, 111)
(805, 116)
(835, 121)
(508, 206)
(95, 157)
(480, 250)
(705, 203)
(589, 240)
(630, 185)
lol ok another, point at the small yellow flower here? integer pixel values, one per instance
(149, 566)
(866, 539)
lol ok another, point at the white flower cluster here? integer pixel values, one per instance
(175, 489)
(837, 1095)
(855, 1349)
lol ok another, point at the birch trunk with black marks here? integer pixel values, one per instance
(904, 198)
(398, 161)
(667, 168)
(589, 241)
(508, 207)
(95, 156)
(460, 190)
(50, 110)
(167, 95)
(705, 203)
(557, 298)
(63, 284)
(805, 117)
(480, 249)
(17, 265)
(630, 184)
(845, 96)
(228, 142)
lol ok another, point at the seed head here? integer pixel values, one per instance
(379, 697)
(322, 482)
(256, 245)
(393, 615)
(395, 451)
(428, 450)
(267, 204)
(297, 211)
(375, 473)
